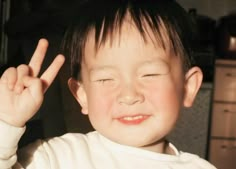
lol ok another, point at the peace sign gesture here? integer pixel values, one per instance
(22, 91)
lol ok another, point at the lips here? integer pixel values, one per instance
(133, 120)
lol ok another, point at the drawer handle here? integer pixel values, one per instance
(228, 111)
(230, 75)
(228, 147)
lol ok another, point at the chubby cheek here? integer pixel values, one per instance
(165, 99)
(100, 104)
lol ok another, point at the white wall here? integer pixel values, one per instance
(211, 8)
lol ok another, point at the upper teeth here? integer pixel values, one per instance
(133, 118)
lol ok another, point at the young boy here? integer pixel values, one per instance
(131, 74)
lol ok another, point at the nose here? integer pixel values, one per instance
(130, 94)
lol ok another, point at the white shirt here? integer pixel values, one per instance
(87, 151)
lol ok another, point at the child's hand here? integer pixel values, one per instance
(22, 91)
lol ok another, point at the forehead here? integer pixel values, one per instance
(128, 33)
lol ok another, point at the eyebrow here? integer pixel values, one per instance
(157, 64)
(155, 61)
(101, 68)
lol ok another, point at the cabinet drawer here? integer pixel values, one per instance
(223, 120)
(225, 84)
(223, 154)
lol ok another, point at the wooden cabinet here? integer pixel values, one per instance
(225, 82)
(222, 150)
(223, 153)
(224, 120)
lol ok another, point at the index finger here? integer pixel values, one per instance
(38, 57)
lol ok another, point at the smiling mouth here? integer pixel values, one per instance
(133, 120)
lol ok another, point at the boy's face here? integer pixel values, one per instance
(131, 90)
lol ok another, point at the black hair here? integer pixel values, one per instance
(107, 16)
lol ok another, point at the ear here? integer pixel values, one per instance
(193, 81)
(79, 93)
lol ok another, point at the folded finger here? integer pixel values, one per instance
(22, 71)
(9, 77)
(35, 87)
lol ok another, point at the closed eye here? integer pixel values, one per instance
(103, 80)
(150, 75)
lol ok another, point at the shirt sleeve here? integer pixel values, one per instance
(9, 138)
(32, 156)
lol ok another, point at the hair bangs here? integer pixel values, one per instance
(164, 19)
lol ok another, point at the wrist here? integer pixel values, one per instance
(10, 135)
